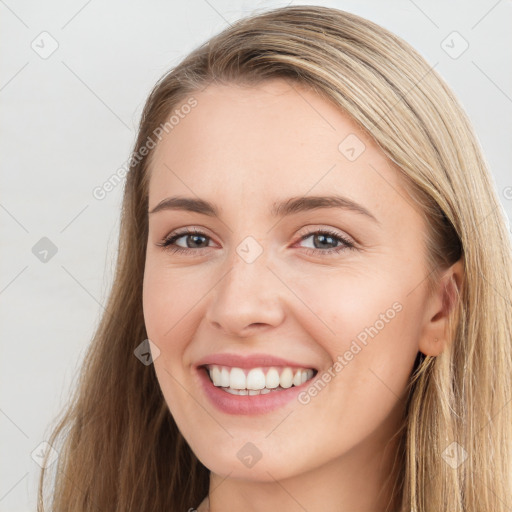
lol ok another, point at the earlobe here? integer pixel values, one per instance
(432, 347)
(441, 311)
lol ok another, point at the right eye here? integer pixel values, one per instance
(195, 236)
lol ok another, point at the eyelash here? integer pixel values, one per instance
(167, 242)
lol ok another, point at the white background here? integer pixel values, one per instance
(69, 122)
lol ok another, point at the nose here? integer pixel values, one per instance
(247, 300)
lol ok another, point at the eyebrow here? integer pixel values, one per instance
(279, 209)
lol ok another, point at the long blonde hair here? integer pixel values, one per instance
(121, 449)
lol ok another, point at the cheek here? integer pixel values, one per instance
(168, 305)
(368, 327)
(169, 298)
(342, 306)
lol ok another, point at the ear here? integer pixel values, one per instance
(435, 334)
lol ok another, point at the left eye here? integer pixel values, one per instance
(329, 238)
(321, 239)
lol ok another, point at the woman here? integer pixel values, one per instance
(261, 369)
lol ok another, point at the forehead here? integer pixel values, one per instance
(247, 146)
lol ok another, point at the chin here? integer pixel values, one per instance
(242, 460)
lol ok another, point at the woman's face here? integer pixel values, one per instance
(268, 275)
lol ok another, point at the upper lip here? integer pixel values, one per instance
(252, 361)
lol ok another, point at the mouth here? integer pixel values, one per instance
(257, 381)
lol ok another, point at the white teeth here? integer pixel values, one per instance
(272, 379)
(235, 381)
(256, 379)
(286, 378)
(297, 378)
(224, 378)
(263, 391)
(216, 375)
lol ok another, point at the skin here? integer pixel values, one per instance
(242, 148)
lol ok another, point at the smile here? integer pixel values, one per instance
(257, 381)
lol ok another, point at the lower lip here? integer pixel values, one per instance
(247, 404)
